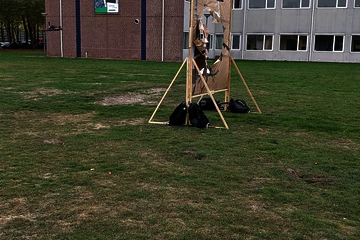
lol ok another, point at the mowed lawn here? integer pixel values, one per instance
(79, 160)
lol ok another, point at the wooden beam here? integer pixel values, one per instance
(189, 76)
(246, 86)
(167, 90)
(210, 94)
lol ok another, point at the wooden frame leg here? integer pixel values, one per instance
(167, 90)
(210, 94)
(246, 86)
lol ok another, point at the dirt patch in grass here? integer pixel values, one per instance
(98, 126)
(62, 119)
(344, 143)
(34, 118)
(155, 91)
(82, 120)
(169, 190)
(129, 98)
(194, 155)
(51, 126)
(257, 182)
(54, 141)
(15, 209)
(255, 208)
(39, 93)
(145, 98)
(302, 134)
(56, 118)
(320, 179)
(132, 121)
(6, 88)
(293, 172)
(262, 92)
(262, 131)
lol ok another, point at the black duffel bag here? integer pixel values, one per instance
(178, 117)
(208, 104)
(238, 106)
(197, 117)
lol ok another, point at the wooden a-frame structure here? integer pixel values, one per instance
(197, 56)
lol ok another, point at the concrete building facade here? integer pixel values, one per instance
(295, 30)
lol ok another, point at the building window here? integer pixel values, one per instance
(210, 41)
(209, 44)
(219, 39)
(296, 4)
(293, 42)
(329, 43)
(357, 3)
(332, 3)
(106, 6)
(355, 43)
(186, 40)
(261, 3)
(237, 4)
(259, 42)
(236, 42)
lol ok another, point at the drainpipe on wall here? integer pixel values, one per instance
(244, 31)
(312, 31)
(61, 32)
(162, 30)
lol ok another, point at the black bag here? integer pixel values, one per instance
(238, 106)
(178, 117)
(208, 104)
(197, 117)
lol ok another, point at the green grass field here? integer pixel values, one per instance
(78, 159)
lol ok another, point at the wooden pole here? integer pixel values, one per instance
(227, 93)
(167, 90)
(246, 86)
(210, 94)
(189, 76)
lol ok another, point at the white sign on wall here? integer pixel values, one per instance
(106, 6)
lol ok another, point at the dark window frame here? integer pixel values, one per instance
(355, 44)
(232, 41)
(323, 4)
(329, 43)
(266, 4)
(300, 4)
(259, 38)
(288, 44)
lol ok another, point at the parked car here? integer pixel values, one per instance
(4, 44)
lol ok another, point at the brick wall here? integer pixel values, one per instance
(117, 35)
(52, 38)
(174, 15)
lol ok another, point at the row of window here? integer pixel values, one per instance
(264, 42)
(270, 4)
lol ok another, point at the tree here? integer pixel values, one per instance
(8, 18)
(22, 14)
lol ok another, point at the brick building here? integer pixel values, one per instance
(295, 30)
(117, 29)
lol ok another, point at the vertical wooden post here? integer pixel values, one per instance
(190, 64)
(228, 84)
